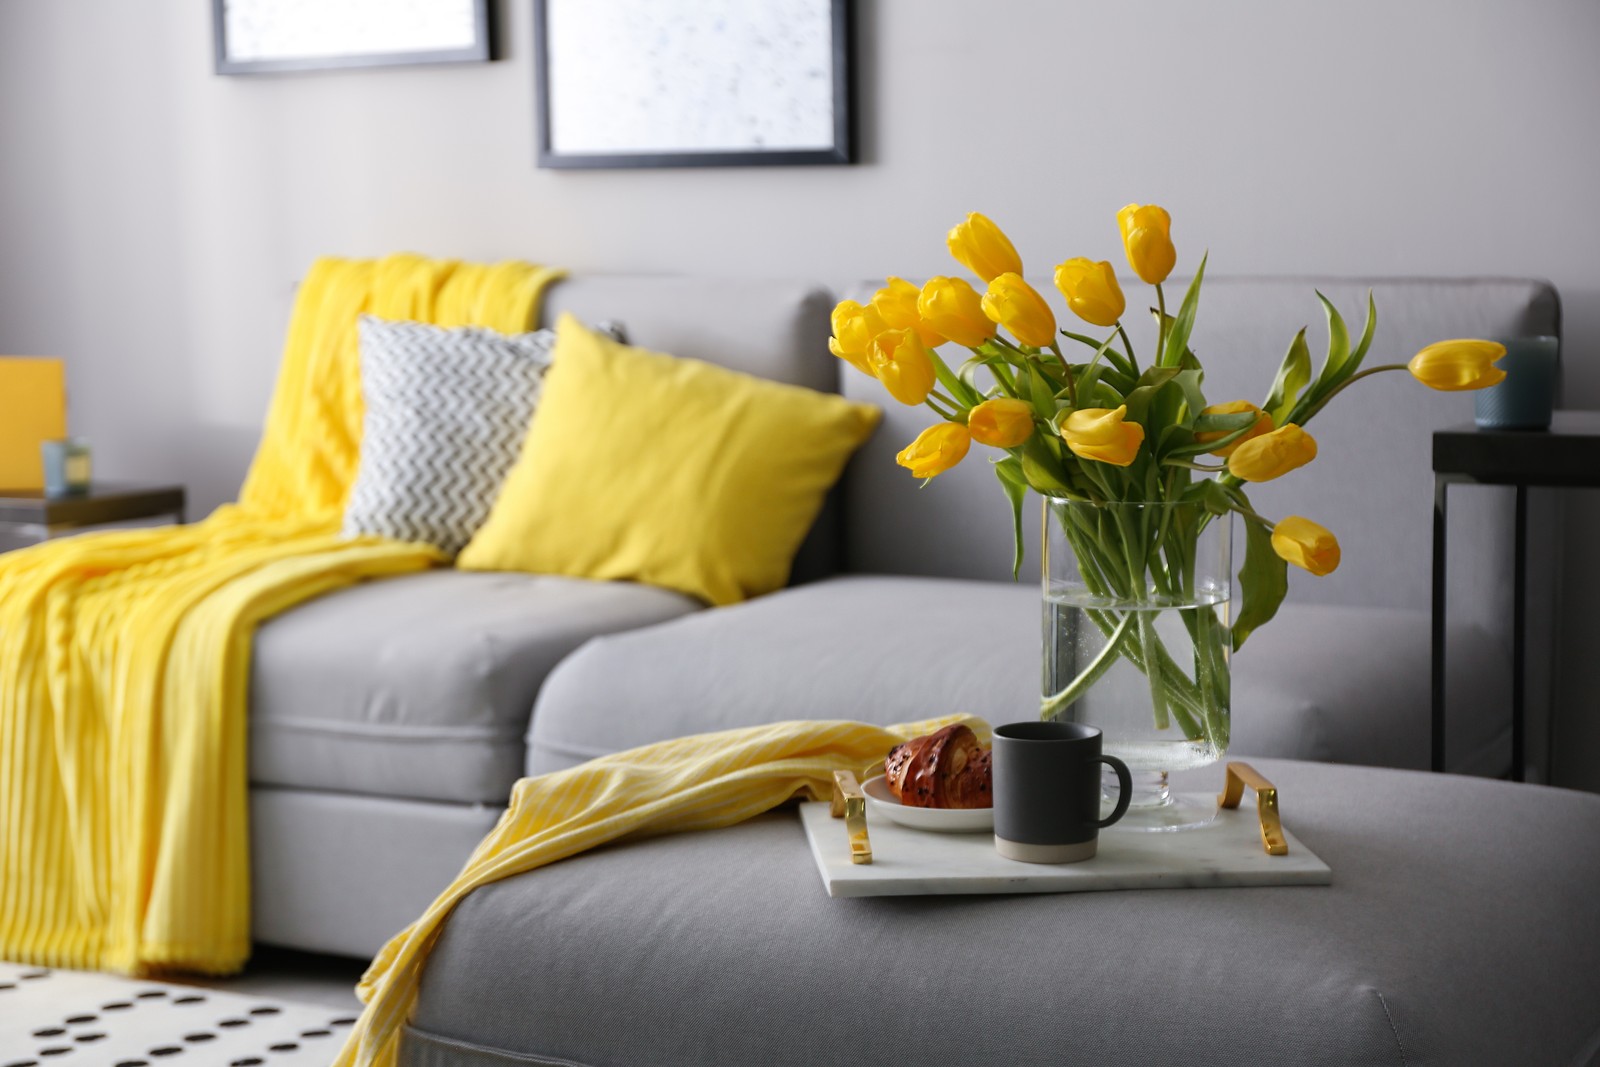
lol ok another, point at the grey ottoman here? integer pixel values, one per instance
(1463, 927)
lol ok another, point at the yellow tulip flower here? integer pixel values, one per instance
(1091, 290)
(854, 327)
(896, 302)
(1017, 306)
(983, 248)
(1147, 238)
(936, 449)
(1100, 434)
(1263, 425)
(953, 308)
(903, 364)
(1272, 455)
(1455, 365)
(1001, 422)
(1306, 544)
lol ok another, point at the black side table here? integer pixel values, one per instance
(1565, 456)
(28, 516)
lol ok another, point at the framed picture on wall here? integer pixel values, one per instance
(693, 83)
(265, 36)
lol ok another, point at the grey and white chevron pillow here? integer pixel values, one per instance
(446, 411)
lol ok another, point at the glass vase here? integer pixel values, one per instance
(1136, 641)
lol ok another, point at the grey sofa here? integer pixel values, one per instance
(389, 721)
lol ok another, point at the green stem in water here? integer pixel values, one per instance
(1152, 670)
(1091, 674)
(1147, 635)
(1092, 534)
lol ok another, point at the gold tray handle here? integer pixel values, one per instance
(850, 804)
(1240, 775)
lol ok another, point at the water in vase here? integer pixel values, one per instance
(1152, 676)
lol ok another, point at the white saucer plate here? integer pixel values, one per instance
(881, 802)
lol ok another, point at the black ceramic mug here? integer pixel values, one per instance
(1047, 791)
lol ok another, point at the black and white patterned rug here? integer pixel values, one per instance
(77, 1019)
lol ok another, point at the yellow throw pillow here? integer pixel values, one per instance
(651, 468)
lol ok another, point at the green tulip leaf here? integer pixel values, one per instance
(1366, 335)
(965, 395)
(1333, 368)
(1042, 470)
(1152, 476)
(1238, 420)
(1293, 375)
(1088, 376)
(1102, 349)
(1181, 434)
(1212, 494)
(1105, 396)
(1189, 381)
(1232, 426)
(1183, 323)
(1116, 358)
(1168, 403)
(1113, 381)
(1082, 339)
(1015, 484)
(1041, 393)
(1144, 393)
(968, 371)
(1263, 582)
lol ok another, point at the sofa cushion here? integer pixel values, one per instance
(421, 686)
(879, 650)
(773, 328)
(446, 412)
(669, 470)
(1324, 683)
(1461, 928)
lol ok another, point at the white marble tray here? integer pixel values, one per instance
(914, 862)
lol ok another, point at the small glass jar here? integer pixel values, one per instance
(67, 467)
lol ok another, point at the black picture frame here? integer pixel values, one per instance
(843, 81)
(481, 50)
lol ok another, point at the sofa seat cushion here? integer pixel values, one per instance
(880, 650)
(1461, 928)
(421, 686)
(1324, 683)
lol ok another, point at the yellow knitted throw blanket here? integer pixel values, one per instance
(692, 783)
(125, 657)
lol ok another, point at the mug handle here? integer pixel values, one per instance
(1124, 790)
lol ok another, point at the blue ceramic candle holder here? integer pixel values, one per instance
(1526, 399)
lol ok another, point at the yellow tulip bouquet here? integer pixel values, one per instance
(1101, 427)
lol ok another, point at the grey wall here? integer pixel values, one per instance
(154, 218)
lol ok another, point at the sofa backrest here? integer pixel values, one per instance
(1371, 484)
(775, 329)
